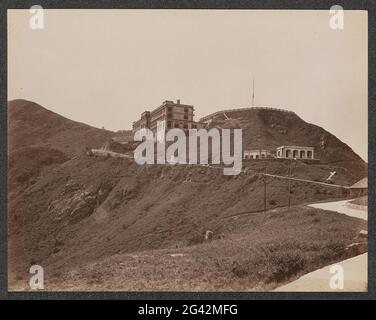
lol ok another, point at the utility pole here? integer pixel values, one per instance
(265, 190)
(290, 183)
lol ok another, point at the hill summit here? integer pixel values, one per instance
(268, 128)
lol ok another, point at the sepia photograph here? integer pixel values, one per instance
(187, 150)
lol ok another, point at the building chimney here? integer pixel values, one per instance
(178, 101)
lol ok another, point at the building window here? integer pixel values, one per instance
(169, 124)
(176, 125)
(309, 154)
(185, 117)
(186, 110)
(288, 153)
(302, 154)
(257, 156)
(295, 153)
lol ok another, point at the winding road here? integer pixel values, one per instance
(355, 270)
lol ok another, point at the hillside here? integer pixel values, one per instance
(29, 124)
(270, 128)
(252, 254)
(68, 209)
(38, 137)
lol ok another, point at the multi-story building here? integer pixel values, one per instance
(168, 116)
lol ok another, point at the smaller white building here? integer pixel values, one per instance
(256, 154)
(295, 152)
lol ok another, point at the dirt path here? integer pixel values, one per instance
(354, 269)
(342, 207)
(354, 274)
(304, 180)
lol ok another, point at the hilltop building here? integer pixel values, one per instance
(295, 152)
(282, 152)
(257, 154)
(360, 188)
(169, 115)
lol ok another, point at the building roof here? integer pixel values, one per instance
(361, 184)
(295, 147)
(167, 103)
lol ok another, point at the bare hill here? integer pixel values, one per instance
(29, 124)
(267, 128)
(67, 209)
(38, 137)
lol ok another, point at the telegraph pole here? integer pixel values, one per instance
(290, 183)
(265, 190)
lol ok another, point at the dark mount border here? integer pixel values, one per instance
(157, 4)
(188, 4)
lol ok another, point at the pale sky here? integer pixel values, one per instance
(105, 67)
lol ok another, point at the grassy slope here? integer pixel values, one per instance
(90, 208)
(29, 124)
(252, 254)
(74, 209)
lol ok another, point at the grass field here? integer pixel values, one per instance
(253, 252)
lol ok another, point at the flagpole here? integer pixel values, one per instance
(253, 94)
